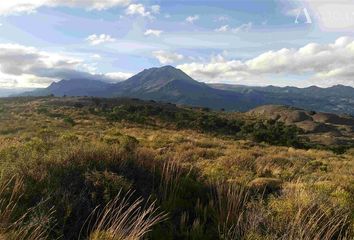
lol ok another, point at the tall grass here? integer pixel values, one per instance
(170, 182)
(124, 219)
(231, 214)
(32, 225)
(8, 200)
(315, 223)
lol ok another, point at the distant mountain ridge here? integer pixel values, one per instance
(336, 90)
(169, 84)
(74, 87)
(335, 99)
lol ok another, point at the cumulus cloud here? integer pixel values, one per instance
(139, 9)
(153, 32)
(22, 66)
(318, 58)
(14, 7)
(96, 39)
(17, 59)
(192, 19)
(165, 57)
(32, 66)
(324, 63)
(218, 69)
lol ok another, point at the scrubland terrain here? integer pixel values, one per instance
(89, 168)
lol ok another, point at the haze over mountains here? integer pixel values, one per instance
(6, 92)
(169, 84)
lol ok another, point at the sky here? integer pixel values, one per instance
(249, 42)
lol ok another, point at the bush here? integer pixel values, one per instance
(273, 132)
(69, 120)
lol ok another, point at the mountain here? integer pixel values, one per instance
(173, 85)
(74, 87)
(169, 84)
(166, 84)
(335, 99)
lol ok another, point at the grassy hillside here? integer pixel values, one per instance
(88, 168)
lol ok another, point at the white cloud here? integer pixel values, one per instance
(118, 76)
(244, 27)
(155, 9)
(138, 9)
(17, 59)
(217, 70)
(0, 24)
(22, 66)
(192, 19)
(14, 7)
(153, 32)
(27, 66)
(96, 39)
(165, 57)
(324, 63)
(224, 28)
(311, 57)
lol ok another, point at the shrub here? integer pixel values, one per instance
(69, 120)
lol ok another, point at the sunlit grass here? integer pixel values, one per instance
(117, 180)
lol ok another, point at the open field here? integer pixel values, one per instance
(89, 168)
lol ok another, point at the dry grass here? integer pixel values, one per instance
(124, 219)
(29, 226)
(230, 202)
(315, 199)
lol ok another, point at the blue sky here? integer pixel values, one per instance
(251, 42)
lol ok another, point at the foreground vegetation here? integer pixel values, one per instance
(124, 169)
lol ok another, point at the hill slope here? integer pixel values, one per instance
(324, 128)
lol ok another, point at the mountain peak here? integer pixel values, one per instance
(168, 72)
(155, 78)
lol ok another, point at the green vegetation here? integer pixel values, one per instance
(82, 168)
(201, 120)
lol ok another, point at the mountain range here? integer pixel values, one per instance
(169, 84)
